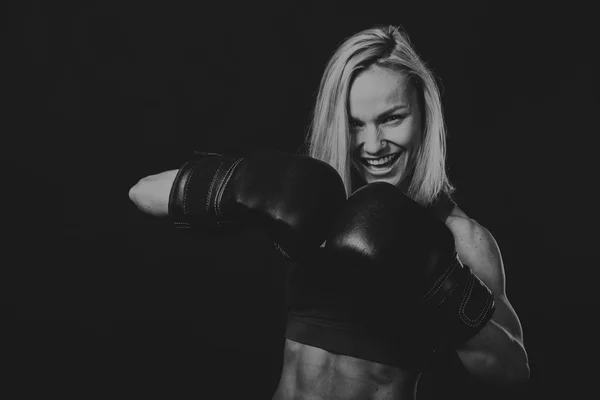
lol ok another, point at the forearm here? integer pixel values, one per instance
(495, 355)
(151, 194)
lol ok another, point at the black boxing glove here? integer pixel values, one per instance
(384, 229)
(292, 196)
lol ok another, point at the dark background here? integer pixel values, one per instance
(99, 299)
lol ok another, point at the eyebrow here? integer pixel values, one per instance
(386, 113)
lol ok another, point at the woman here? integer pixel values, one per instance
(378, 118)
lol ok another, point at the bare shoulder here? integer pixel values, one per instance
(461, 225)
(477, 247)
(468, 230)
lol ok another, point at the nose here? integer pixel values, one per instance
(371, 141)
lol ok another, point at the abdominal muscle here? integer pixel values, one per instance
(316, 374)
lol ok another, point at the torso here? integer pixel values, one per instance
(316, 374)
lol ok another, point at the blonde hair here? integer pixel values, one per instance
(329, 136)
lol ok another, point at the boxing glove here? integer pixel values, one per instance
(293, 197)
(396, 239)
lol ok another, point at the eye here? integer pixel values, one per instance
(394, 118)
(354, 123)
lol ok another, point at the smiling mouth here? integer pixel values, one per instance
(381, 163)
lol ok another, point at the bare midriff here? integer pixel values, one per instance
(311, 373)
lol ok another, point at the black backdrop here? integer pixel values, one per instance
(99, 299)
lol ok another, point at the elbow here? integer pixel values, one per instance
(133, 193)
(137, 197)
(150, 197)
(151, 194)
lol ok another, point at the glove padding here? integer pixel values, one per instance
(382, 228)
(293, 196)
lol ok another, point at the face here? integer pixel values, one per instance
(385, 125)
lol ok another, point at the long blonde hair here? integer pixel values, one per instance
(329, 136)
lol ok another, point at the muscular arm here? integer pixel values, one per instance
(497, 352)
(151, 194)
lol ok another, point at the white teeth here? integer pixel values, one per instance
(379, 161)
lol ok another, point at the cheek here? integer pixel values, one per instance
(354, 140)
(404, 135)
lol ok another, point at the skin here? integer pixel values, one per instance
(385, 119)
(151, 194)
(312, 373)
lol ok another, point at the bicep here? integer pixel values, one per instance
(478, 250)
